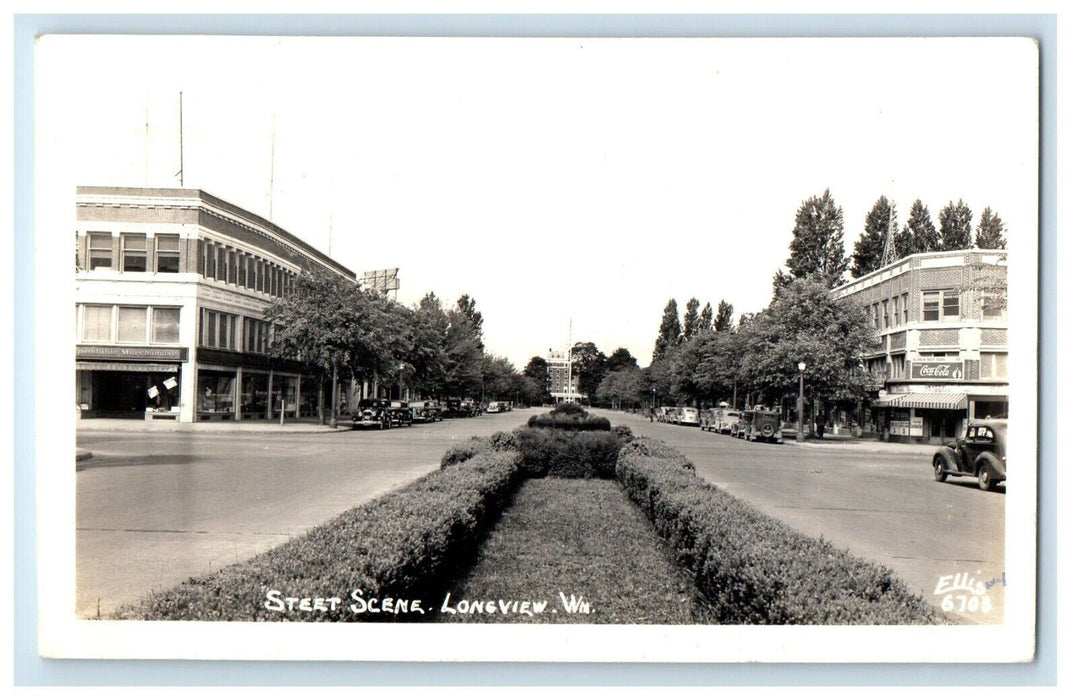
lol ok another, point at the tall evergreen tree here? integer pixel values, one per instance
(669, 331)
(816, 249)
(955, 226)
(724, 316)
(706, 318)
(990, 231)
(920, 232)
(868, 250)
(692, 318)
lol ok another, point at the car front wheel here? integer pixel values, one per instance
(939, 469)
(984, 480)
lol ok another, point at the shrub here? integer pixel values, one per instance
(624, 433)
(568, 454)
(463, 451)
(408, 544)
(563, 422)
(752, 568)
(569, 409)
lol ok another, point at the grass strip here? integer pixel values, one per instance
(574, 544)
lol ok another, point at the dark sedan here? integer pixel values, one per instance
(980, 453)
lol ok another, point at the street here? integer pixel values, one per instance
(154, 508)
(882, 506)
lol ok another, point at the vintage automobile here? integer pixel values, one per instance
(372, 413)
(687, 415)
(761, 425)
(727, 422)
(981, 453)
(425, 411)
(709, 419)
(400, 413)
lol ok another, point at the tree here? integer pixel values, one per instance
(622, 387)
(868, 250)
(692, 318)
(955, 220)
(589, 365)
(466, 307)
(707, 317)
(463, 355)
(990, 231)
(724, 316)
(499, 378)
(816, 249)
(428, 324)
(920, 232)
(669, 331)
(620, 359)
(333, 325)
(538, 370)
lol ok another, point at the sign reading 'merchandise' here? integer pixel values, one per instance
(938, 371)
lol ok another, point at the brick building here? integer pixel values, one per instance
(941, 355)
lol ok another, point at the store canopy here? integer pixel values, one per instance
(137, 367)
(945, 401)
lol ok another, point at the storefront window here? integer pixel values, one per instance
(96, 322)
(215, 392)
(253, 395)
(166, 325)
(100, 251)
(131, 324)
(134, 252)
(168, 252)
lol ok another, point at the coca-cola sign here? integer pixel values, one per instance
(938, 371)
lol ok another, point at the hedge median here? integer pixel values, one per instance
(752, 568)
(405, 547)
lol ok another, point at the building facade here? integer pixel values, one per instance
(564, 386)
(172, 289)
(940, 358)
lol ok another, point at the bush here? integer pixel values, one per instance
(563, 422)
(624, 433)
(463, 451)
(407, 545)
(752, 568)
(568, 454)
(572, 410)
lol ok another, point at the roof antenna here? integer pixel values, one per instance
(180, 171)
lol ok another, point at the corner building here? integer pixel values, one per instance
(172, 287)
(940, 358)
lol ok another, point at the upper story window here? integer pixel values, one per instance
(96, 322)
(166, 325)
(905, 308)
(938, 306)
(131, 324)
(168, 252)
(99, 251)
(886, 314)
(133, 250)
(993, 309)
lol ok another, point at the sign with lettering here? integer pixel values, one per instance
(937, 371)
(127, 352)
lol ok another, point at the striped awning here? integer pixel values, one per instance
(947, 401)
(102, 366)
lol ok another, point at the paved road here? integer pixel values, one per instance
(154, 508)
(881, 506)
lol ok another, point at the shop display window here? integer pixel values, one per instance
(216, 392)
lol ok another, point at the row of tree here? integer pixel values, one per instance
(817, 247)
(346, 331)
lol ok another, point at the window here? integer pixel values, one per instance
(876, 316)
(931, 309)
(96, 322)
(166, 325)
(886, 314)
(993, 365)
(993, 308)
(210, 261)
(134, 251)
(222, 264)
(232, 266)
(241, 278)
(905, 308)
(218, 330)
(99, 251)
(894, 307)
(131, 324)
(168, 252)
(950, 304)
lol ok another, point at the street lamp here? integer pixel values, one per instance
(800, 401)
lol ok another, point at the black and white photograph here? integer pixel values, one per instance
(537, 349)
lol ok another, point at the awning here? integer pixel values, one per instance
(947, 401)
(125, 366)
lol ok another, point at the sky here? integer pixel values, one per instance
(556, 181)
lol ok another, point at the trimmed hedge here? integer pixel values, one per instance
(752, 568)
(568, 454)
(569, 422)
(407, 545)
(463, 451)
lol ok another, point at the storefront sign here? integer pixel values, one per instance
(114, 352)
(914, 427)
(937, 371)
(917, 427)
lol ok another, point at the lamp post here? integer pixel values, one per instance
(800, 401)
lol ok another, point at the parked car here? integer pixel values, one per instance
(762, 425)
(670, 414)
(400, 413)
(981, 453)
(709, 419)
(688, 416)
(372, 413)
(727, 422)
(425, 411)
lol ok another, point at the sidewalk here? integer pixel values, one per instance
(291, 425)
(845, 442)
